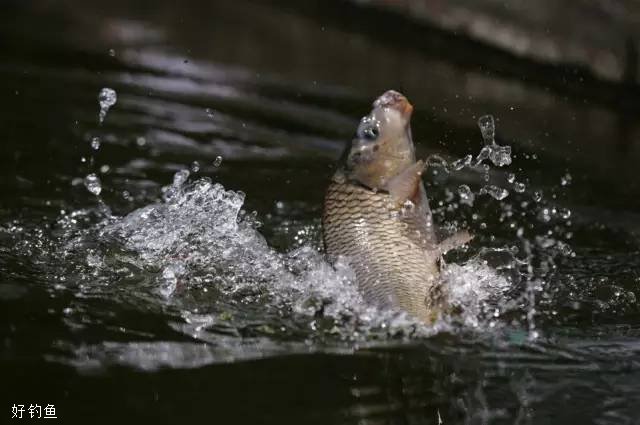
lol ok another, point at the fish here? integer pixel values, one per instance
(376, 215)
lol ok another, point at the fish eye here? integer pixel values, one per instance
(369, 131)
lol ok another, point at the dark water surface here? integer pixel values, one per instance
(203, 295)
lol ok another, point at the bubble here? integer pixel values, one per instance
(495, 192)
(218, 161)
(92, 183)
(95, 143)
(195, 166)
(106, 98)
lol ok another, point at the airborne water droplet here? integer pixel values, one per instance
(466, 195)
(218, 161)
(95, 143)
(92, 183)
(195, 166)
(500, 155)
(106, 98)
(487, 128)
(461, 163)
(537, 196)
(519, 187)
(495, 192)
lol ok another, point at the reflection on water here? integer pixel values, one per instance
(170, 257)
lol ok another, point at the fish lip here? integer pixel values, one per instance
(394, 100)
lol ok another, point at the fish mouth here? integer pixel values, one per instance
(394, 100)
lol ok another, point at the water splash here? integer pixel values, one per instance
(199, 237)
(495, 192)
(106, 99)
(500, 156)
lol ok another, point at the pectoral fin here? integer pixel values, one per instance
(406, 185)
(454, 241)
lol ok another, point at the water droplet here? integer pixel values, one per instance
(461, 163)
(484, 154)
(511, 177)
(566, 180)
(407, 207)
(218, 161)
(141, 141)
(487, 169)
(112, 53)
(209, 112)
(519, 187)
(106, 98)
(537, 196)
(487, 128)
(92, 183)
(466, 195)
(495, 192)
(104, 169)
(195, 166)
(95, 143)
(500, 155)
(544, 215)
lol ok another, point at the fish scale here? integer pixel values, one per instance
(368, 230)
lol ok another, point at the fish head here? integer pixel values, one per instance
(383, 146)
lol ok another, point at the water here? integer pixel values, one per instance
(106, 99)
(156, 280)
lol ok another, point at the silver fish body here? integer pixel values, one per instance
(377, 217)
(391, 249)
